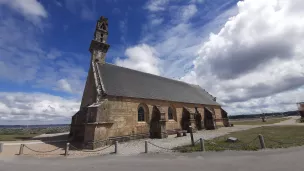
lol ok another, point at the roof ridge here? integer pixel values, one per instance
(156, 75)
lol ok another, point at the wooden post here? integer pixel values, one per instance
(191, 134)
(116, 147)
(262, 142)
(146, 146)
(1, 147)
(202, 144)
(67, 147)
(21, 149)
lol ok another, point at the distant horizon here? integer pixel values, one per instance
(32, 124)
(55, 124)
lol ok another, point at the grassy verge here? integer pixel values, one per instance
(12, 134)
(275, 137)
(300, 120)
(259, 121)
(16, 137)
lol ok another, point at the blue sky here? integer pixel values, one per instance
(227, 47)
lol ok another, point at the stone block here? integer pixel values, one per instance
(232, 139)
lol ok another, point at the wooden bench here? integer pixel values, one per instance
(180, 132)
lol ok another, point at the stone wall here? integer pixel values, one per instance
(89, 93)
(122, 113)
(218, 117)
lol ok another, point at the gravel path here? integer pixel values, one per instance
(134, 147)
(291, 121)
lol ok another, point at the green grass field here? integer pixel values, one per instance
(275, 137)
(14, 134)
(259, 121)
(16, 137)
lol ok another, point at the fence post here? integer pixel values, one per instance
(202, 143)
(191, 135)
(21, 149)
(146, 146)
(262, 142)
(116, 147)
(67, 147)
(1, 147)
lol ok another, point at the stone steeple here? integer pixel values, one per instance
(99, 46)
(98, 49)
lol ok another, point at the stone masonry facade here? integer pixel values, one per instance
(118, 117)
(103, 118)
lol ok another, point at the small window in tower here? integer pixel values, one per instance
(141, 114)
(170, 113)
(103, 27)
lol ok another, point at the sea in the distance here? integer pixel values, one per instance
(33, 126)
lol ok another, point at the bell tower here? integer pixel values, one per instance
(99, 46)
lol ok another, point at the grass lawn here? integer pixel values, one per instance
(275, 137)
(300, 120)
(259, 121)
(16, 137)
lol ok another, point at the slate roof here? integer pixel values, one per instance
(120, 81)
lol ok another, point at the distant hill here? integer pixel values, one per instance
(34, 126)
(275, 114)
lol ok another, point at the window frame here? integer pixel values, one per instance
(172, 114)
(141, 116)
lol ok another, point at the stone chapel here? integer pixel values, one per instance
(120, 103)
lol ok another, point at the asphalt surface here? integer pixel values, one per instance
(268, 160)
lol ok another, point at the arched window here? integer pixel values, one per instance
(141, 114)
(170, 113)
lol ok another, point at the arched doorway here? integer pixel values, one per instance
(208, 120)
(185, 122)
(155, 127)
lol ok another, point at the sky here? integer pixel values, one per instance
(249, 54)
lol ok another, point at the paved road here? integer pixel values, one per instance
(270, 160)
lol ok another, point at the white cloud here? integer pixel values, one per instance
(188, 11)
(30, 9)
(53, 54)
(156, 21)
(142, 57)
(64, 85)
(123, 26)
(26, 62)
(88, 14)
(157, 5)
(36, 107)
(86, 9)
(285, 101)
(177, 42)
(58, 3)
(256, 55)
(198, 1)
